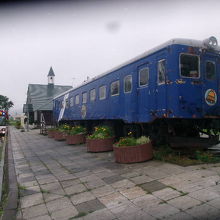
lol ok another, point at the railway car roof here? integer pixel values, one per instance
(181, 41)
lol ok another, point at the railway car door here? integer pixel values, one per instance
(161, 88)
(211, 83)
(143, 93)
(190, 85)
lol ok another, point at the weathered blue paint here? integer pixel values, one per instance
(179, 97)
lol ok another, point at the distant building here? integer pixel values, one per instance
(40, 99)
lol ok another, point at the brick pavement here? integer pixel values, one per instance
(59, 182)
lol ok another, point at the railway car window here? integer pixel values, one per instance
(115, 88)
(67, 103)
(102, 92)
(77, 99)
(161, 71)
(127, 84)
(144, 77)
(189, 65)
(92, 95)
(210, 70)
(71, 101)
(84, 97)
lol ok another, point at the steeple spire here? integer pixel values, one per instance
(51, 76)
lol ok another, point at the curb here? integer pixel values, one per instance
(10, 208)
(2, 165)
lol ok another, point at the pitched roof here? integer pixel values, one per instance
(51, 72)
(41, 96)
(46, 106)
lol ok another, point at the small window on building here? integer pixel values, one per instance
(92, 95)
(210, 70)
(115, 88)
(189, 65)
(127, 84)
(77, 99)
(67, 103)
(84, 97)
(71, 101)
(143, 76)
(161, 71)
(102, 92)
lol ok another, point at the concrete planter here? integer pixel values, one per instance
(59, 136)
(99, 145)
(133, 154)
(50, 133)
(75, 139)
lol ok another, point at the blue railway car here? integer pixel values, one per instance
(172, 89)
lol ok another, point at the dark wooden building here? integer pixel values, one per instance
(39, 101)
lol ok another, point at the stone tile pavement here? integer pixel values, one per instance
(59, 182)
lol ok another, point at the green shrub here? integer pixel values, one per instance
(127, 141)
(131, 141)
(18, 124)
(206, 157)
(77, 130)
(183, 158)
(64, 128)
(101, 132)
(143, 140)
(163, 152)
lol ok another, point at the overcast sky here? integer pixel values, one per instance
(85, 38)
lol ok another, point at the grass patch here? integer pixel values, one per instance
(4, 197)
(20, 187)
(81, 214)
(44, 191)
(5, 189)
(172, 188)
(1, 149)
(163, 202)
(183, 157)
(68, 196)
(183, 193)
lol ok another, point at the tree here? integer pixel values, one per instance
(5, 103)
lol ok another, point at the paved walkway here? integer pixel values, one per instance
(57, 181)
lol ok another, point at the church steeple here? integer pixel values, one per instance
(51, 76)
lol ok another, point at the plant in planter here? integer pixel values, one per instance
(61, 131)
(76, 135)
(101, 140)
(51, 132)
(132, 150)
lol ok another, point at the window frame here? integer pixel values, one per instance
(71, 101)
(210, 61)
(90, 96)
(84, 99)
(66, 103)
(103, 98)
(131, 83)
(62, 103)
(77, 99)
(118, 82)
(164, 82)
(148, 71)
(189, 54)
